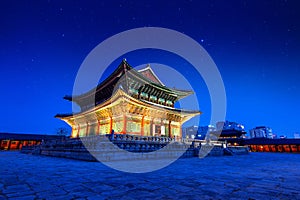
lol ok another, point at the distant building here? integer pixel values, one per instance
(227, 125)
(198, 132)
(15, 141)
(189, 132)
(261, 132)
(231, 132)
(203, 130)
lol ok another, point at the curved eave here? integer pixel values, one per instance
(63, 115)
(68, 97)
(119, 93)
(183, 93)
(117, 73)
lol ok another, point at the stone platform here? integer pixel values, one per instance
(256, 176)
(130, 147)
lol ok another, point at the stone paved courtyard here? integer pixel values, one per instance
(253, 176)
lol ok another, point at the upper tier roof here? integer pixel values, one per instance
(144, 80)
(148, 73)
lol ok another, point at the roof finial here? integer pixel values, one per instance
(124, 60)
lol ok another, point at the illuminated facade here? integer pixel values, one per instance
(129, 102)
(15, 141)
(261, 132)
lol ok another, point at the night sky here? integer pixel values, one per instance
(255, 45)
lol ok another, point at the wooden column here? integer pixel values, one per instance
(142, 125)
(87, 129)
(8, 145)
(110, 125)
(180, 131)
(98, 129)
(78, 130)
(18, 144)
(169, 129)
(72, 132)
(151, 127)
(124, 124)
(161, 124)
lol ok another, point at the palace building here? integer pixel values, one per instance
(129, 102)
(15, 141)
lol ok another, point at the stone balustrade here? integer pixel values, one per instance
(108, 147)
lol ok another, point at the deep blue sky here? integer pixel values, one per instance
(255, 45)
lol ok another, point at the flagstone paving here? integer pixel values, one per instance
(253, 176)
